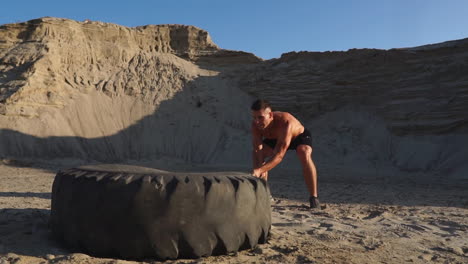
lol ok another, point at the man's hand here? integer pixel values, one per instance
(263, 175)
(256, 173)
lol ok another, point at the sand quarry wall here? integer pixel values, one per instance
(100, 92)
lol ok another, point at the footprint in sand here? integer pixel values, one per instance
(301, 216)
(330, 237)
(327, 226)
(370, 243)
(375, 214)
(456, 250)
(319, 228)
(449, 226)
(285, 249)
(416, 227)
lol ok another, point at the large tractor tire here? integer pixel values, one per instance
(136, 213)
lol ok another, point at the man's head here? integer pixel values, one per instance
(262, 113)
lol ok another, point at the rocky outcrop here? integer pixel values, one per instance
(417, 91)
(46, 56)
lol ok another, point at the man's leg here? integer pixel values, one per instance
(304, 153)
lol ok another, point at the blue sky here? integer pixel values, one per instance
(270, 28)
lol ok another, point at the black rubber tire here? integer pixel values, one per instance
(136, 213)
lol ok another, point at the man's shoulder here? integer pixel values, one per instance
(285, 114)
(284, 118)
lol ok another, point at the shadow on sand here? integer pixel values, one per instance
(26, 232)
(26, 195)
(200, 134)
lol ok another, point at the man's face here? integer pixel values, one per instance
(262, 118)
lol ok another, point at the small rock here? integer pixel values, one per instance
(257, 250)
(457, 250)
(12, 256)
(301, 216)
(304, 259)
(49, 257)
(425, 257)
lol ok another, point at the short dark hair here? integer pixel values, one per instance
(260, 104)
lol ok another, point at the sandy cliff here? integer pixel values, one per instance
(398, 108)
(97, 91)
(102, 92)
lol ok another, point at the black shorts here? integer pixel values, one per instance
(302, 139)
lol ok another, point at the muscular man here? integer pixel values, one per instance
(273, 133)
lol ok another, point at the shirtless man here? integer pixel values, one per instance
(273, 133)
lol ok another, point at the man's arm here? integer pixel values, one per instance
(257, 144)
(281, 147)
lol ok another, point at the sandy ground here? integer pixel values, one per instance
(361, 222)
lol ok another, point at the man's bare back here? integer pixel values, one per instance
(281, 121)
